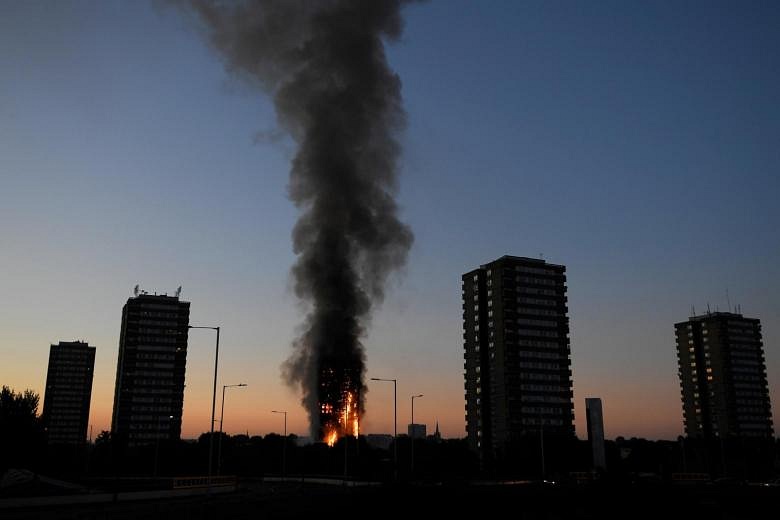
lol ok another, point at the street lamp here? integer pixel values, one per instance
(213, 399)
(221, 418)
(284, 445)
(541, 443)
(413, 431)
(395, 422)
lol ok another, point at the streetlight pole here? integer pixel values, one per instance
(395, 422)
(541, 442)
(213, 399)
(221, 418)
(413, 432)
(284, 444)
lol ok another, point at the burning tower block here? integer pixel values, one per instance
(339, 398)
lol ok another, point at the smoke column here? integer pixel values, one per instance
(324, 63)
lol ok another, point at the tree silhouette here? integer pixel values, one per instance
(21, 431)
(103, 438)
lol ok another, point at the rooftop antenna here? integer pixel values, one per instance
(728, 300)
(693, 310)
(708, 308)
(135, 290)
(178, 291)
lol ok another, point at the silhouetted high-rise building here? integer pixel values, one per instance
(149, 393)
(595, 422)
(516, 341)
(723, 379)
(68, 392)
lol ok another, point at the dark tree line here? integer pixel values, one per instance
(23, 446)
(21, 429)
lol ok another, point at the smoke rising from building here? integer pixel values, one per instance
(324, 64)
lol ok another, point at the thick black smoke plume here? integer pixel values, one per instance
(324, 63)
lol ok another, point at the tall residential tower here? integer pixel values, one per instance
(516, 341)
(149, 393)
(723, 379)
(68, 392)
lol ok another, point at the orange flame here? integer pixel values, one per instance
(348, 422)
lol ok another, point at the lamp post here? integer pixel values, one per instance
(541, 442)
(213, 399)
(413, 432)
(221, 418)
(284, 443)
(395, 422)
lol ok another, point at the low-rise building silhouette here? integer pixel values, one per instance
(417, 431)
(379, 440)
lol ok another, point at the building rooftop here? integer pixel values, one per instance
(717, 314)
(539, 261)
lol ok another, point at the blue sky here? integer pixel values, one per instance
(636, 143)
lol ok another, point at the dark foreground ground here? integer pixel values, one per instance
(520, 501)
